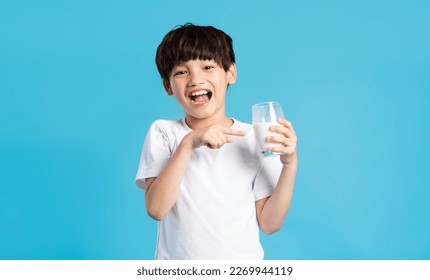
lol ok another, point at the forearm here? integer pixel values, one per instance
(161, 195)
(277, 205)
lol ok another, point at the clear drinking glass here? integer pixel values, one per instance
(265, 115)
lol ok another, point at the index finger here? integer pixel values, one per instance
(234, 132)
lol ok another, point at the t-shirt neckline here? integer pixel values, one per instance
(233, 126)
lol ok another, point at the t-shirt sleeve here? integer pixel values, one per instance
(267, 177)
(155, 154)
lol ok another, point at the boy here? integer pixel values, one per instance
(203, 177)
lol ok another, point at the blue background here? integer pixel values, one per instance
(79, 88)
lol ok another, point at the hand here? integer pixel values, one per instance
(287, 139)
(213, 136)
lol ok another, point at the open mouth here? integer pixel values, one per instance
(200, 97)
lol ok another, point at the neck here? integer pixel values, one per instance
(195, 123)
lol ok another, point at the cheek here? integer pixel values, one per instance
(181, 100)
(175, 91)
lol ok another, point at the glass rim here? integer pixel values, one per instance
(265, 103)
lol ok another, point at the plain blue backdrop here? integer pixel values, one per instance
(79, 88)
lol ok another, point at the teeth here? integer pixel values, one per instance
(201, 92)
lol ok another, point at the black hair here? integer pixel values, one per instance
(190, 42)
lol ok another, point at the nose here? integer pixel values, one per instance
(196, 78)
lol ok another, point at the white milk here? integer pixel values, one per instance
(262, 131)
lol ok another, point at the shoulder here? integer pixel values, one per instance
(171, 131)
(246, 127)
(166, 125)
(238, 125)
(247, 142)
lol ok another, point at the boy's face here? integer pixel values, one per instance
(200, 87)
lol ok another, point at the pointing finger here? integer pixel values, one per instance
(234, 132)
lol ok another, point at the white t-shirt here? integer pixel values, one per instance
(214, 216)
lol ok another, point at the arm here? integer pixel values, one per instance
(271, 211)
(161, 192)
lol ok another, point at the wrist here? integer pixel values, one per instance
(187, 144)
(291, 161)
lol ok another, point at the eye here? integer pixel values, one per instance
(208, 67)
(179, 73)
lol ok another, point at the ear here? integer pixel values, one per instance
(167, 87)
(231, 74)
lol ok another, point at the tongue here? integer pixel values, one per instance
(201, 98)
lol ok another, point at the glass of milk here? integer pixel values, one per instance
(265, 115)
